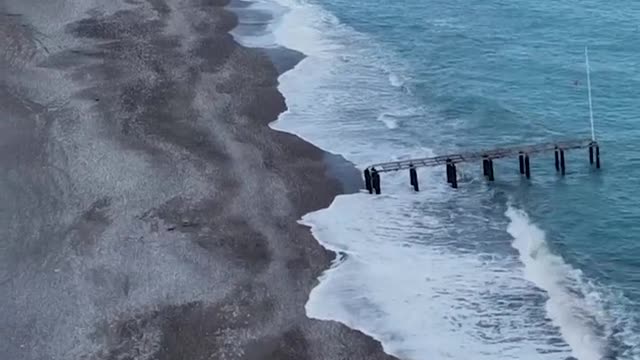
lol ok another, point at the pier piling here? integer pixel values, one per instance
(487, 168)
(375, 181)
(454, 177)
(413, 176)
(367, 181)
(521, 163)
(591, 154)
(562, 165)
(527, 169)
(557, 156)
(490, 169)
(597, 157)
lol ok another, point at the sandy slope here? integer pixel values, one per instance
(146, 210)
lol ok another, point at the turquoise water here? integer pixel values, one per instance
(507, 71)
(476, 74)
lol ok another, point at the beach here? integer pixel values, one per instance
(147, 209)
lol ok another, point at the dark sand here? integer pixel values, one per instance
(146, 209)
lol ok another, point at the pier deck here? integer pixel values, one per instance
(496, 153)
(372, 172)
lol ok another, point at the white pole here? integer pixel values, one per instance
(586, 59)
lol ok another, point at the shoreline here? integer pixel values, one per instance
(337, 168)
(157, 214)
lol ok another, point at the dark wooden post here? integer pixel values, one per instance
(367, 180)
(521, 163)
(375, 181)
(454, 177)
(490, 169)
(413, 176)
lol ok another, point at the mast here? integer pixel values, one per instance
(586, 59)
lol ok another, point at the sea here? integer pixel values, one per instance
(546, 268)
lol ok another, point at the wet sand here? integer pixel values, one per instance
(146, 209)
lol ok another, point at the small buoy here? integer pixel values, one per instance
(188, 223)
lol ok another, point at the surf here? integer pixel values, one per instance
(430, 275)
(572, 305)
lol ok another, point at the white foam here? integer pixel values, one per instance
(395, 80)
(389, 121)
(341, 87)
(570, 305)
(394, 118)
(423, 301)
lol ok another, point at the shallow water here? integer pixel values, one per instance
(546, 268)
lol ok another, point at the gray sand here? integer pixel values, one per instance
(146, 209)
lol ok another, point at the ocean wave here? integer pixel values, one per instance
(394, 118)
(575, 305)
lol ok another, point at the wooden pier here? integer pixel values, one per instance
(372, 172)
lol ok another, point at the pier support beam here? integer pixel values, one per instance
(413, 176)
(562, 166)
(375, 181)
(527, 169)
(487, 168)
(557, 156)
(521, 163)
(595, 146)
(490, 169)
(367, 181)
(452, 177)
